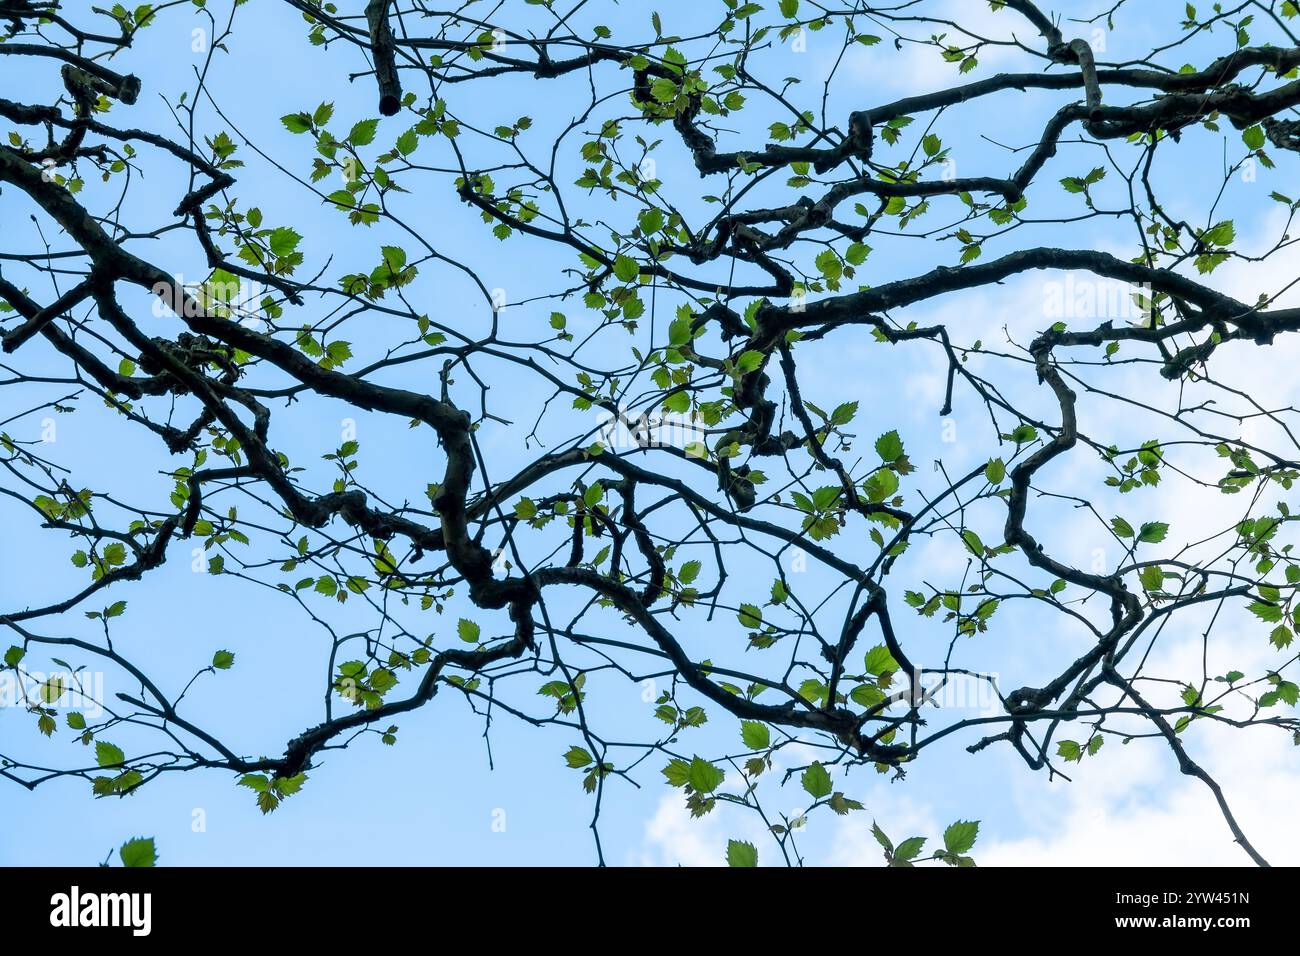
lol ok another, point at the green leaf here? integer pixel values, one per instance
(108, 755)
(755, 734)
(363, 133)
(995, 471)
(1153, 532)
(880, 661)
(842, 805)
(881, 485)
(844, 413)
(1221, 234)
(889, 446)
(867, 695)
(468, 631)
(296, 122)
(677, 773)
(288, 786)
(625, 268)
(679, 402)
(960, 837)
(284, 241)
(342, 198)
(577, 758)
(138, 852)
(223, 660)
(816, 781)
(1267, 612)
(1152, 577)
(909, 849)
(382, 680)
(51, 690)
(883, 840)
(738, 852)
(255, 782)
(829, 265)
(650, 220)
(703, 776)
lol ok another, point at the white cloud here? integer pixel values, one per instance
(1128, 806)
(852, 842)
(914, 68)
(1131, 808)
(673, 838)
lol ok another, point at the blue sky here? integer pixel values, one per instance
(433, 797)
